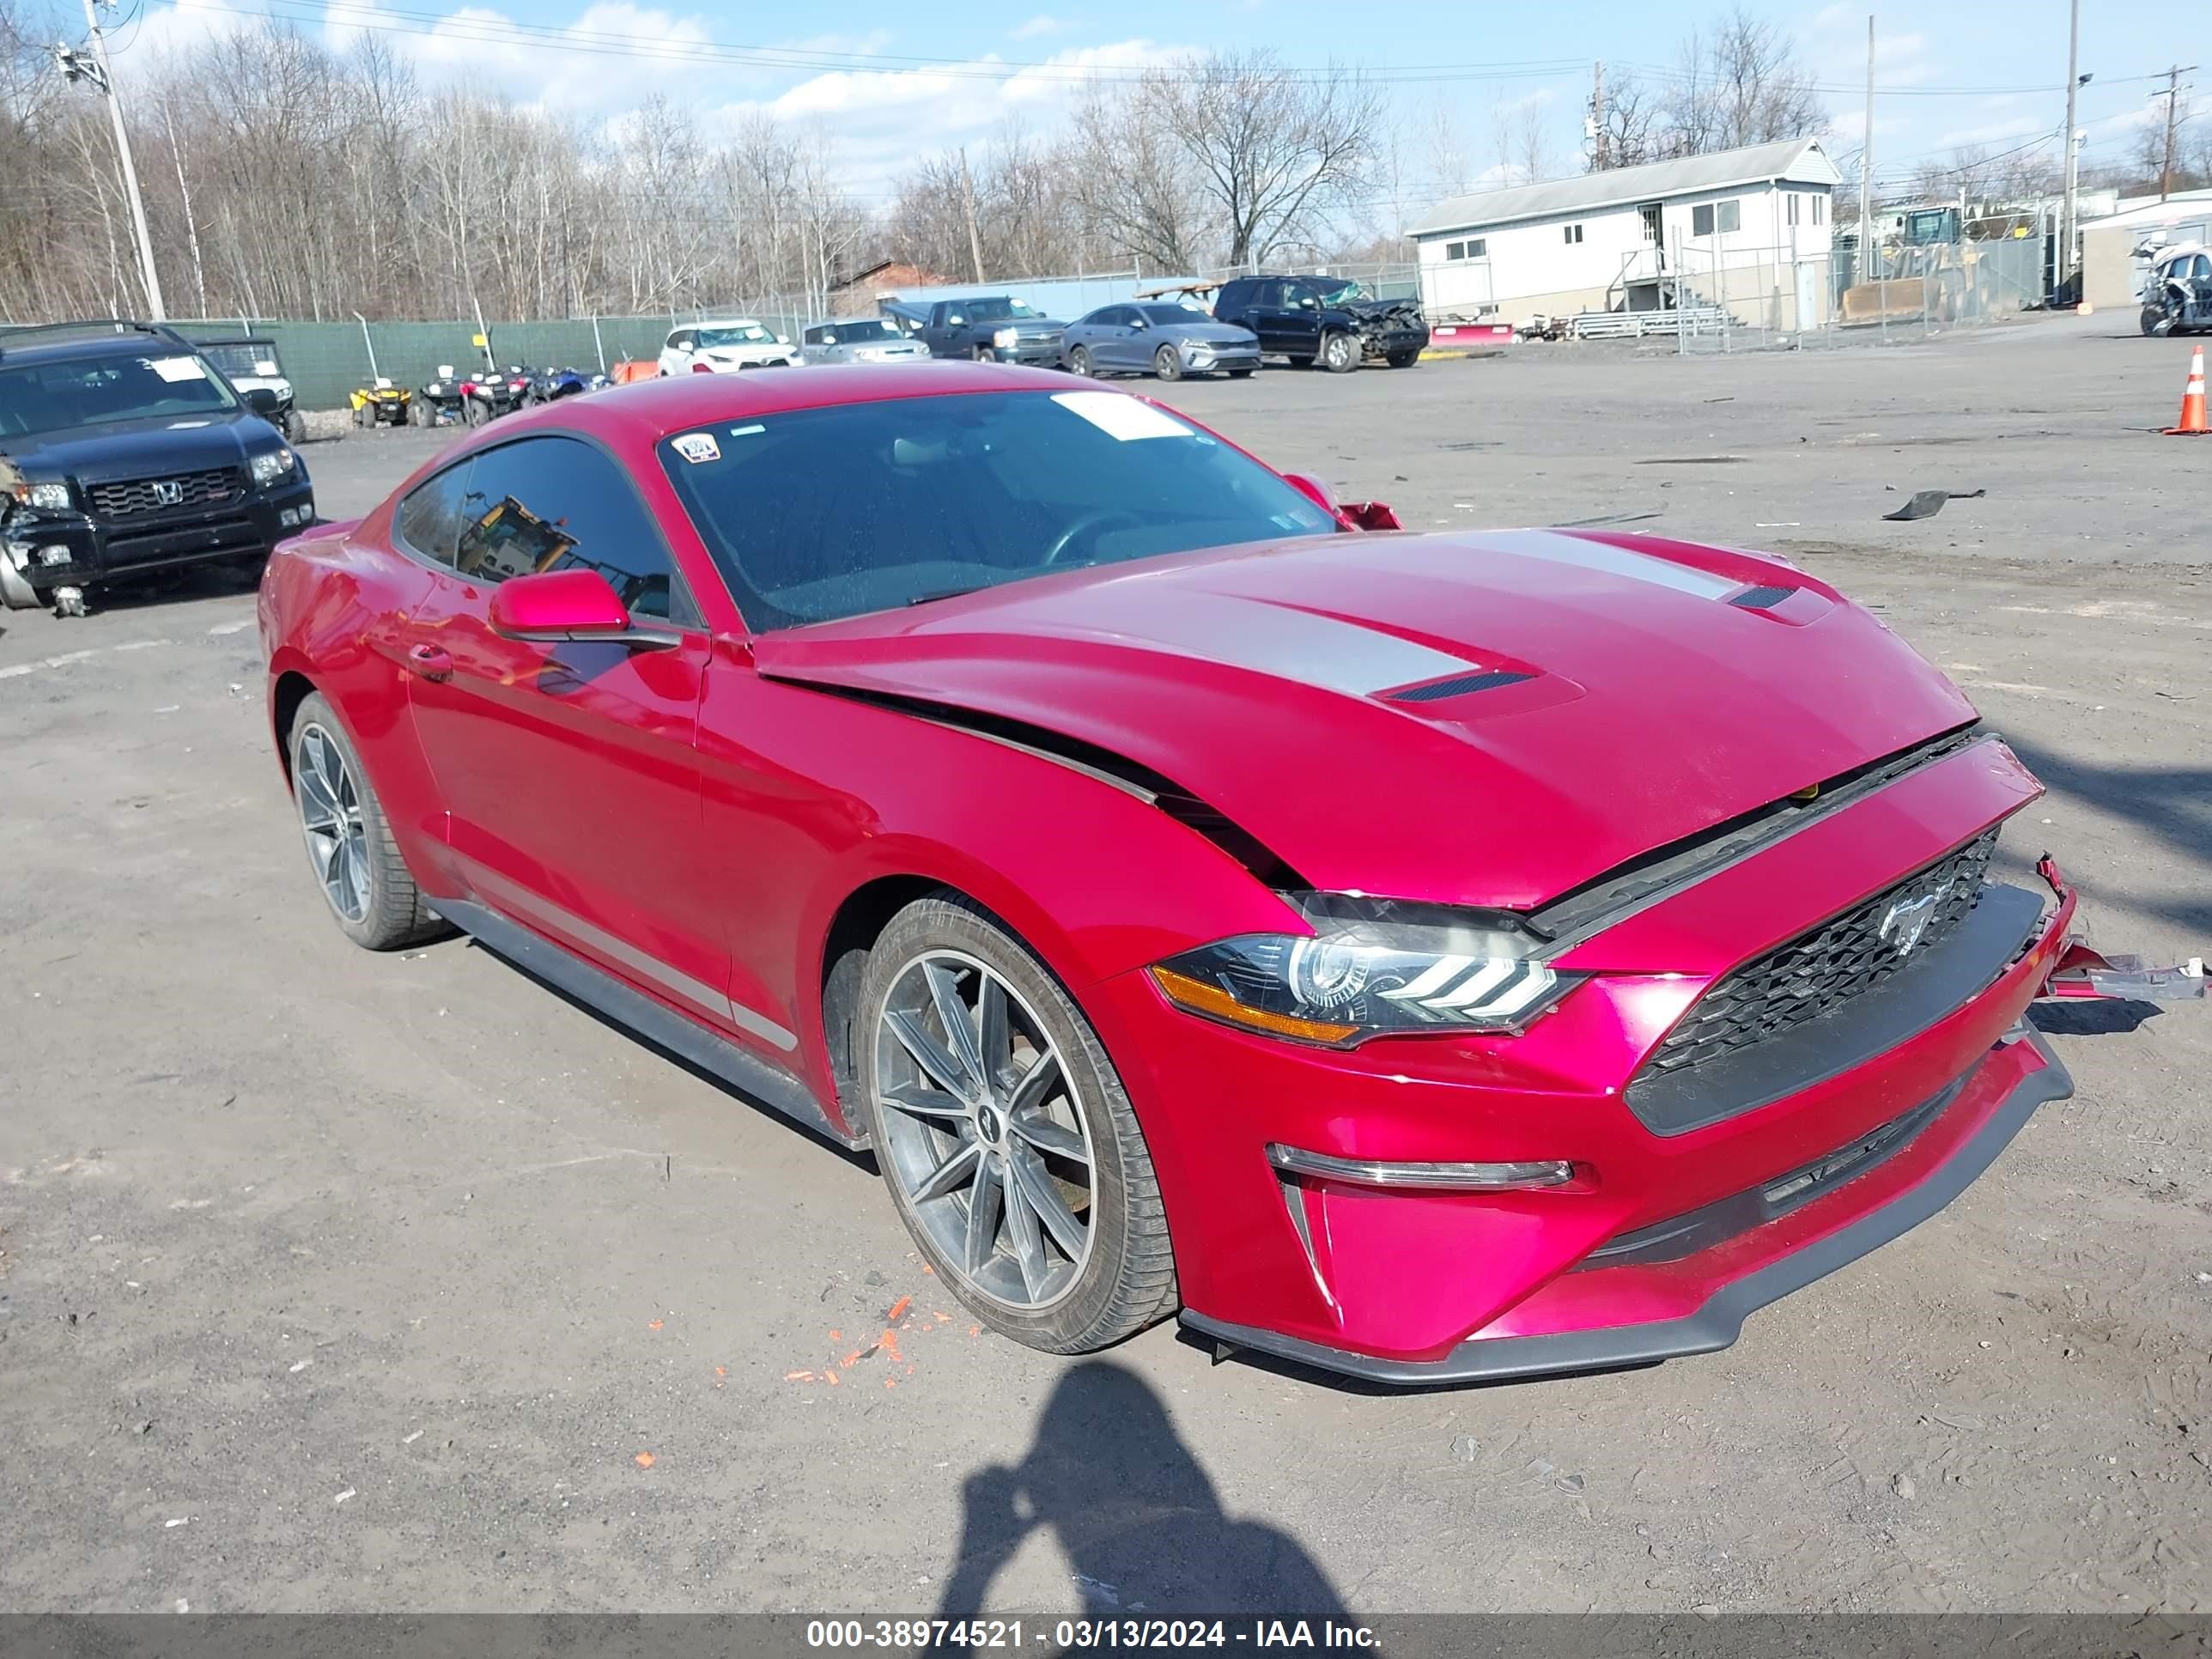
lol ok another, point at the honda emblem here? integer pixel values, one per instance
(168, 492)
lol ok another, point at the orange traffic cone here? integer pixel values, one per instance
(2192, 400)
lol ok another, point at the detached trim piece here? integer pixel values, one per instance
(749, 1075)
(1714, 1326)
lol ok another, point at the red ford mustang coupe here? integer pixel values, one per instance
(1427, 957)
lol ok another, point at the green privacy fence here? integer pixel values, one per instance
(326, 360)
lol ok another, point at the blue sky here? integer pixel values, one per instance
(1949, 72)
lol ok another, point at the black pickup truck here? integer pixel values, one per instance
(126, 452)
(990, 328)
(1323, 320)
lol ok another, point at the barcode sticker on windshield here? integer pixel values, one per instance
(696, 446)
(1119, 416)
(174, 369)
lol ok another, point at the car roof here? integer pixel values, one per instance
(842, 322)
(91, 345)
(723, 322)
(640, 415)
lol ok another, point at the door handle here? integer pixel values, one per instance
(430, 661)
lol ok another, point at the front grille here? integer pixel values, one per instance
(1823, 968)
(134, 497)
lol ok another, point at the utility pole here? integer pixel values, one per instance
(99, 74)
(1600, 157)
(2172, 96)
(1865, 167)
(2064, 265)
(968, 202)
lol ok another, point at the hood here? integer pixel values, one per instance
(740, 353)
(1487, 719)
(139, 449)
(1406, 311)
(1212, 333)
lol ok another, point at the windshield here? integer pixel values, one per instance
(73, 392)
(939, 496)
(741, 334)
(996, 311)
(1339, 295)
(868, 330)
(243, 359)
(1171, 315)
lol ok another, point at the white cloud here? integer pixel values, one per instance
(1041, 26)
(884, 119)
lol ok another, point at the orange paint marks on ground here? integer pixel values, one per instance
(645, 1459)
(831, 1377)
(654, 1326)
(898, 1308)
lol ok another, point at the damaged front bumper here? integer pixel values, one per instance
(2084, 975)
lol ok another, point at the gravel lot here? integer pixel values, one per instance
(330, 1281)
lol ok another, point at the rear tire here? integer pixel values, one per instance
(1167, 363)
(1074, 1141)
(358, 866)
(419, 412)
(1299, 362)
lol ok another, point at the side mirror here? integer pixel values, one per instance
(1314, 490)
(1371, 515)
(555, 605)
(445, 371)
(1138, 322)
(262, 402)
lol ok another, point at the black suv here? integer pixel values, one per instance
(125, 452)
(1323, 320)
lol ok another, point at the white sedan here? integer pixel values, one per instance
(723, 348)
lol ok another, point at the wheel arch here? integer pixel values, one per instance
(289, 689)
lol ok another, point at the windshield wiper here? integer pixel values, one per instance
(948, 593)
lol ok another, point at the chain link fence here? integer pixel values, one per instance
(1749, 299)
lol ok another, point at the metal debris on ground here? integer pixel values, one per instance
(1927, 503)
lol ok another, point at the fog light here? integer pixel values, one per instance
(1529, 1174)
(52, 553)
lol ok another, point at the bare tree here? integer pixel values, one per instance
(1632, 123)
(1136, 184)
(1274, 152)
(1522, 142)
(1735, 82)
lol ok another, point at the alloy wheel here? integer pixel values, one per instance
(331, 819)
(984, 1133)
(1079, 361)
(1339, 352)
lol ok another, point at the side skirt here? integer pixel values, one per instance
(756, 1078)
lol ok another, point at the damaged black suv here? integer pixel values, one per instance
(1323, 320)
(124, 451)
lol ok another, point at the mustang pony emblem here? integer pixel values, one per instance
(1904, 921)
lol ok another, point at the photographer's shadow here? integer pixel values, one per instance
(1141, 1524)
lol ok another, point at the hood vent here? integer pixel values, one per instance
(1761, 598)
(1459, 685)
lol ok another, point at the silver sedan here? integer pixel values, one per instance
(858, 340)
(1170, 341)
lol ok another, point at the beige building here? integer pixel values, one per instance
(2110, 270)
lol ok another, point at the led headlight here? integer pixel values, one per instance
(269, 467)
(46, 497)
(1371, 967)
(1006, 339)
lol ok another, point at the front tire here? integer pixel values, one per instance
(1240, 373)
(1403, 359)
(1340, 353)
(1010, 1149)
(1078, 361)
(355, 861)
(1167, 363)
(295, 427)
